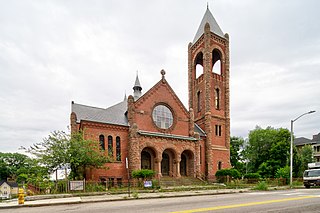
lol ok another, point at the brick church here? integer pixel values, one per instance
(154, 130)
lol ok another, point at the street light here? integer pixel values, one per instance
(291, 144)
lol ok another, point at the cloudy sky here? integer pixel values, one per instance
(58, 51)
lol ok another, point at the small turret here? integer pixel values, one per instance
(137, 89)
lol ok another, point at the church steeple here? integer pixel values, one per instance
(137, 88)
(214, 27)
(209, 91)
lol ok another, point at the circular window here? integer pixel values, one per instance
(162, 117)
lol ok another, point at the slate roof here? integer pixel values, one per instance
(214, 27)
(115, 114)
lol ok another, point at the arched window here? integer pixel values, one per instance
(118, 149)
(198, 101)
(110, 145)
(217, 98)
(216, 61)
(199, 65)
(101, 142)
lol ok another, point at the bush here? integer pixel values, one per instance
(143, 173)
(228, 172)
(252, 176)
(283, 172)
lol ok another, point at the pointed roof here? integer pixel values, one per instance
(214, 27)
(137, 83)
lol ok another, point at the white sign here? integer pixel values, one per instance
(76, 185)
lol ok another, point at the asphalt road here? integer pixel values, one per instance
(300, 200)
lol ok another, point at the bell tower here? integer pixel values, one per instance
(209, 95)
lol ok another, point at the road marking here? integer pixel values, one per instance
(244, 204)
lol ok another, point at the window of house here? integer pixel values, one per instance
(101, 142)
(162, 116)
(218, 130)
(118, 149)
(110, 145)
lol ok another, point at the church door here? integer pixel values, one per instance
(145, 160)
(183, 165)
(165, 164)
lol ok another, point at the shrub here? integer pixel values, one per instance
(228, 172)
(262, 185)
(283, 172)
(252, 176)
(143, 173)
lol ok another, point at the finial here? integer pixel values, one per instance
(207, 5)
(163, 74)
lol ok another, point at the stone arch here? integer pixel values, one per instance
(187, 167)
(198, 65)
(148, 157)
(217, 61)
(167, 163)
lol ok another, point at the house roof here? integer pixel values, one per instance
(214, 27)
(11, 184)
(302, 141)
(112, 115)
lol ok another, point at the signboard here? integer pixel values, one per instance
(148, 183)
(76, 185)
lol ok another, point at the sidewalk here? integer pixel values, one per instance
(69, 199)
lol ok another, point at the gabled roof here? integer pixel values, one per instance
(214, 27)
(157, 85)
(11, 184)
(112, 115)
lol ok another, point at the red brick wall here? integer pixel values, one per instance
(117, 168)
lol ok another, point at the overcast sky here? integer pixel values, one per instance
(55, 52)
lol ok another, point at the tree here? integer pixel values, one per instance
(52, 151)
(302, 157)
(20, 167)
(236, 153)
(60, 149)
(85, 154)
(268, 150)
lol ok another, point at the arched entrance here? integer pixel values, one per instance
(183, 165)
(147, 158)
(165, 164)
(187, 163)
